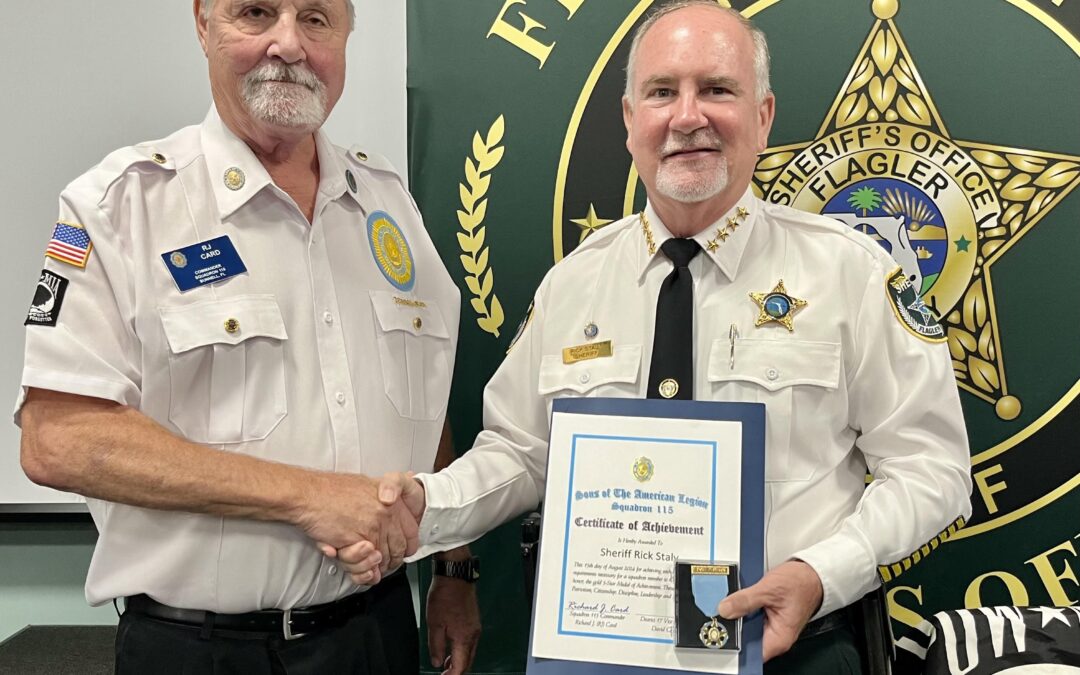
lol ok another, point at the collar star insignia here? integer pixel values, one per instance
(724, 231)
(984, 197)
(777, 306)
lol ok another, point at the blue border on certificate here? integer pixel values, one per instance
(569, 508)
(752, 544)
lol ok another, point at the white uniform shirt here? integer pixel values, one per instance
(332, 366)
(849, 375)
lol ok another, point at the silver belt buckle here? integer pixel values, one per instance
(286, 626)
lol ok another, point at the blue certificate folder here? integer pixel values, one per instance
(752, 533)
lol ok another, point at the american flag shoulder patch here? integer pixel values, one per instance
(70, 244)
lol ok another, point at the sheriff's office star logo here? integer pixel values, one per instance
(884, 163)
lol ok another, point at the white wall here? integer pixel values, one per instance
(81, 78)
(84, 77)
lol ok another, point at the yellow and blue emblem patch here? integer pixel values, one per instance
(390, 250)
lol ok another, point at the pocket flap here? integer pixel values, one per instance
(412, 315)
(775, 364)
(623, 366)
(225, 321)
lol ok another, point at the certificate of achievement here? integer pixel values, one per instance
(633, 486)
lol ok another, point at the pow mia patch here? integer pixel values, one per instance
(48, 297)
(910, 308)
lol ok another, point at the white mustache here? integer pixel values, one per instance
(702, 139)
(281, 72)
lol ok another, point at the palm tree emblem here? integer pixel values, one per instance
(865, 199)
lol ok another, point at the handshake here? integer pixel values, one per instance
(368, 526)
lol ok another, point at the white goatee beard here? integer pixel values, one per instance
(285, 105)
(690, 188)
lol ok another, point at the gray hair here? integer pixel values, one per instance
(207, 5)
(761, 47)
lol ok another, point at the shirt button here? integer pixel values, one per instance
(328, 317)
(332, 571)
(772, 373)
(434, 529)
(583, 378)
(340, 396)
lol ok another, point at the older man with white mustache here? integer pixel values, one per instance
(241, 319)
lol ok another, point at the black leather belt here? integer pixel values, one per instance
(829, 622)
(289, 623)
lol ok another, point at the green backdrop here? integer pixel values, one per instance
(970, 108)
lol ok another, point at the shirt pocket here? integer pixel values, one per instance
(414, 352)
(226, 368)
(795, 379)
(615, 375)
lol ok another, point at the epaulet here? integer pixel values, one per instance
(144, 157)
(119, 161)
(361, 157)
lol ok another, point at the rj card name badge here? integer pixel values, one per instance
(207, 262)
(699, 588)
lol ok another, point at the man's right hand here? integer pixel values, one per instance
(340, 510)
(403, 486)
(360, 560)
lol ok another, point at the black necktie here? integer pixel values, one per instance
(672, 372)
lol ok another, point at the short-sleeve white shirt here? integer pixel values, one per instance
(320, 355)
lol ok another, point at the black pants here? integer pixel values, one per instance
(381, 641)
(831, 653)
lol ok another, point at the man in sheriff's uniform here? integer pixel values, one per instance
(232, 325)
(712, 294)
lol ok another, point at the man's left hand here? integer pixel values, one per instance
(789, 593)
(453, 617)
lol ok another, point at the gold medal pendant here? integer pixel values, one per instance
(713, 635)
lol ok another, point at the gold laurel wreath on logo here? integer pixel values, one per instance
(480, 279)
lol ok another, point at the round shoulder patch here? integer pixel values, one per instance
(910, 308)
(390, 250)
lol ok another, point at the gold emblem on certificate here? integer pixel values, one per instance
(699, 588)
(643, 469)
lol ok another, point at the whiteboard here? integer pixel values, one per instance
(84, 77)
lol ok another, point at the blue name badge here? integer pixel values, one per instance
(204, 263)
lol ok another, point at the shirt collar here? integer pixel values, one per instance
(237, 175)
(332, 169)
(723, 241)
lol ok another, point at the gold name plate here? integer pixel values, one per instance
(586, 352)
(408, 302)
(710, 569)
